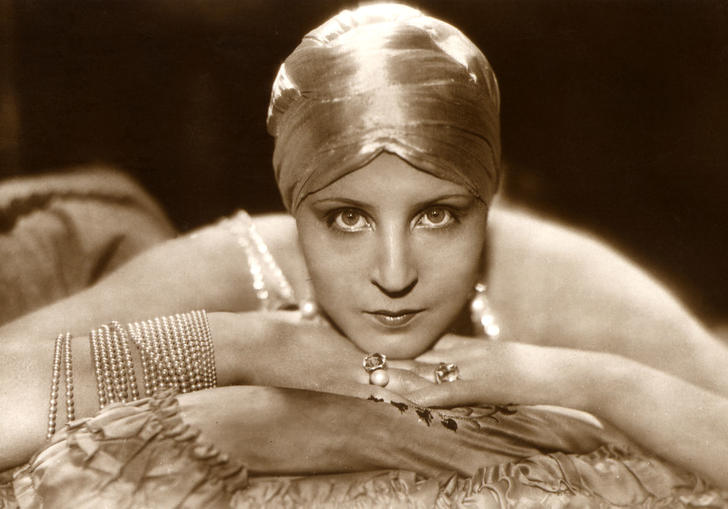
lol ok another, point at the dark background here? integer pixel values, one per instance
(615, 113)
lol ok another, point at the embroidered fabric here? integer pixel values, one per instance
(142, 454)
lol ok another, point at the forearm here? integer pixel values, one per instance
(679, 421)
(288, 431)
(26, 366)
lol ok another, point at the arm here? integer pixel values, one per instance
(206, 269)
(271, 349)
(677, 420)
(329, 433)
(191, 272)
(579, 293)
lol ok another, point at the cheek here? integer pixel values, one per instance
(334, 273)
(455, 262)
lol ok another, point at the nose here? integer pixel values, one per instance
(395, 271)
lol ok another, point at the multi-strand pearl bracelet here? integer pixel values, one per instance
(176, 352)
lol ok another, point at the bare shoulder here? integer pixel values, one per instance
(279, 233)
(277, 229)
(555, 284)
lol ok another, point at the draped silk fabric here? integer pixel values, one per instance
(143, 454)
(384, 78)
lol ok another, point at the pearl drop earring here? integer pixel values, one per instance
(482, 315)
(308, 308)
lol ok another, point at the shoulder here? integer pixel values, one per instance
(555, 283)
(279, 232)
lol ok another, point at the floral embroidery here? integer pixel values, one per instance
(424, 414)
(402, 407)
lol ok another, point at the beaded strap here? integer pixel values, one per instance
(260, 262)
(482, 315)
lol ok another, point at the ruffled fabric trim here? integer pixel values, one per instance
(138, 454)
(611, 476)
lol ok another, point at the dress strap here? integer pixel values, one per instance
(270, 284)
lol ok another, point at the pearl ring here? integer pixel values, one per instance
(376, 365)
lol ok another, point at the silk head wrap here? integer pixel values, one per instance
(384, 78)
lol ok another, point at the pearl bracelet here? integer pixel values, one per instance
(61, 354)
(176, 352)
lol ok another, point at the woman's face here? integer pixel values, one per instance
(393, 254)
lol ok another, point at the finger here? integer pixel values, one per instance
(370, 392)
(409, 365)
(422, 369)
(403, 382)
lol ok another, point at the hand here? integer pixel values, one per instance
(503, 372)
(278, 349)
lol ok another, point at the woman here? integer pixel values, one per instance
(388, 158)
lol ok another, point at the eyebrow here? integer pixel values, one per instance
(359, 204)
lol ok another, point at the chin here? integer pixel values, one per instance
(404, 345)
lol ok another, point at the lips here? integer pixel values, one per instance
(394, 319)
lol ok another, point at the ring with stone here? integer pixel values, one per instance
(376, 365)
(446, 372)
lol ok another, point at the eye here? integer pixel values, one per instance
(436, 217)
(349, 220)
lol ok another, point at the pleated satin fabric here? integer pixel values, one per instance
(384, 78)
(143, 454)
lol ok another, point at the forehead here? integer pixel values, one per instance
(387, 178)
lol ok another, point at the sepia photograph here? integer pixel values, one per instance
(340, 253)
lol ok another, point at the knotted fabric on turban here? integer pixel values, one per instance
(384, 77)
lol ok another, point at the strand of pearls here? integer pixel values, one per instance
(149, 362)
(61, 355)
(260, 262)
(113, 365)
(127, 360)
(55, 382)
(98, 367)
(117, 376)
(284, 287)
(202, 331)
(68, 370)
(482, 315)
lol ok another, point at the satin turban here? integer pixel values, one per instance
(384, 78)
